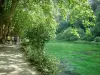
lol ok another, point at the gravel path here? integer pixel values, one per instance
(12, 62)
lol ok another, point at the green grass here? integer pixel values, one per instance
(85, 58)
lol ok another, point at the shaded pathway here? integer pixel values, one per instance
(12, 62)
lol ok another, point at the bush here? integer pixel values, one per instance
(38, 35)
(97, 39)
(59, 36)
(25, 42)
(67, 35)
(34, 50)
(46, 64)
(88, 37)
(81, 32)
(96, 28)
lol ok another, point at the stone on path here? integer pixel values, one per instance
(12, 62)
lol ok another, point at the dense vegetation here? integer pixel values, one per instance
(37, 21)
(66, 30)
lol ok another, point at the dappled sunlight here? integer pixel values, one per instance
(3, 73)
(6, 45)
(3, 62)
(12, 62)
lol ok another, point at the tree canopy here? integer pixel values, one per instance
(19, 15)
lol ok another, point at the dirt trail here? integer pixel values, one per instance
(12, 62)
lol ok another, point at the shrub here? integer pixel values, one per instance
(46, 64)
(96, 28)
(37, 36)
(67, 35)
(97, 39)
(88, 37)
(59, 36)
(81, 32)
(24, 42)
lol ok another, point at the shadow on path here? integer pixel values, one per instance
(12, 62)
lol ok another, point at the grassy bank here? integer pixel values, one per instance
(83, 58)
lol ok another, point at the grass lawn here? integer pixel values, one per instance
(77, 57)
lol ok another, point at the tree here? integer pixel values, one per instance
(7, 8)
(95, 5)
(62, 26)
(96, 28)
(48, 7)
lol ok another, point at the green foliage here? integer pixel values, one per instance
(30, 13)
(24, 42)
(48, 7)
(68, 35)
(81, 32)
(59, 36)
(96, 28)
(47, 65)
(7, 5)
(88, 37)
(20, 22)
(97, 39)
(95, 5)
(38, 36)
(62, 26)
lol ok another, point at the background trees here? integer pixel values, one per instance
(87, 30)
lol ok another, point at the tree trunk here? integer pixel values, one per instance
(5, 19)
